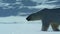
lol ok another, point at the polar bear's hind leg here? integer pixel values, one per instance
(55, 27)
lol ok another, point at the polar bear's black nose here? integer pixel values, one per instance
(27, 19)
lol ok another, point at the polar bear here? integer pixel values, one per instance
(48, 17)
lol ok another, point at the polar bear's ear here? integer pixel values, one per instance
(45, 9)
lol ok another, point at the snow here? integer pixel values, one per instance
(22, 26)
(19, 28)
(23, 29)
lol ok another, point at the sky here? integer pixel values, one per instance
(23, 7)
(8, 4)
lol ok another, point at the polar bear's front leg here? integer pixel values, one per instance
(45, 25)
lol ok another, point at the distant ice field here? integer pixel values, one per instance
(16, 20)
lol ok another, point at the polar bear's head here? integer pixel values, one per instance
(38, 15)
(34, 16)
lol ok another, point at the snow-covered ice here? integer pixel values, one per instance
(23, 29)
(21, 26)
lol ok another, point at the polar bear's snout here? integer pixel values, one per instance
(28, 18)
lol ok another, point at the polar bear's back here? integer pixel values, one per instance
(51, 15)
